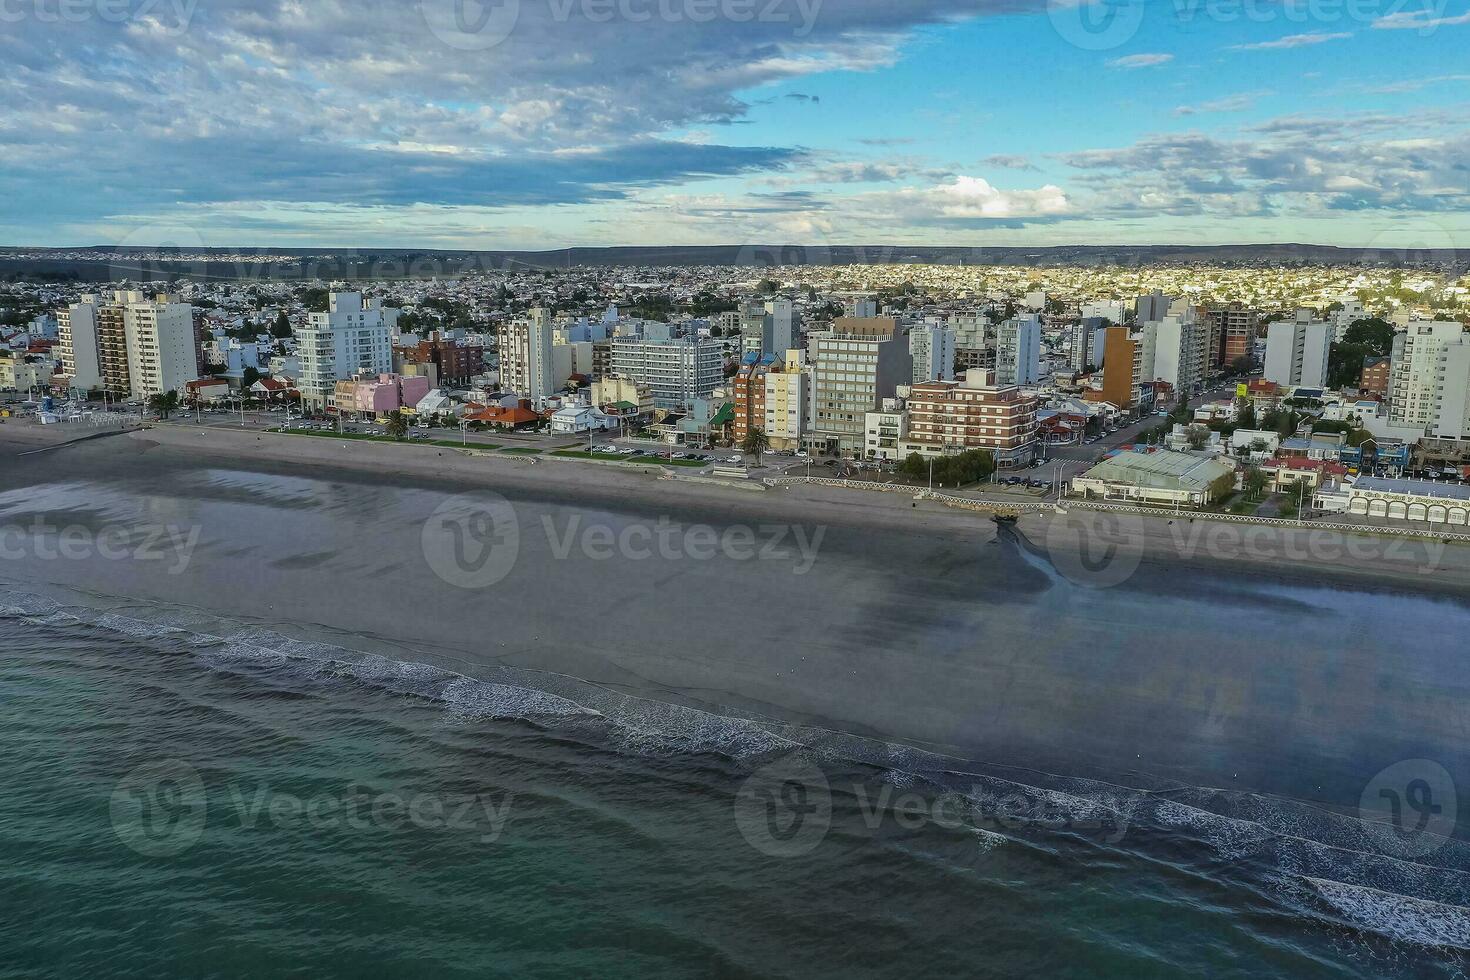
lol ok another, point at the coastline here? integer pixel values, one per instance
(917, 625)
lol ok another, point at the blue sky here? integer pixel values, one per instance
(552, 122)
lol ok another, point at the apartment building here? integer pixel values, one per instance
(1297, 351)
(1180, 345)
(948, 417)
(886, 430)
(1374, 379)
(351, 337)
(130, 346)
(162, 353)
(79, 344)
(1233, 334)
(768, 328)
(855, 365)
(528, 366)
(1018, 351)
(1087, 335)
(1429, 379)
(1120, 354)
(677, 369)
(932, 346)
(749, 386)
(788, 391)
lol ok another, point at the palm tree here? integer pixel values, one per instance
(755, 443)
(396, 425)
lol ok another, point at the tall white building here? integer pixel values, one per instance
(80, 345)
(540, 365)
(162, 350)
(349, 338)
(1180, 345)
(1429, 378)
(855, 365)
(1297, 351)
(1018, 351)
(933, 348)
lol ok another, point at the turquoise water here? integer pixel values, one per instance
(182, 804)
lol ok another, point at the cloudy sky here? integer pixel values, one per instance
(540, 123)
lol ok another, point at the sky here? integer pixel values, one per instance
(549, 123)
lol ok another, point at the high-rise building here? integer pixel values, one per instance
(1018, 351)
(163, 355)
(855, 365)
(768, 328)
(750, 393)
(349, 338)
(1297, 351)
(1181, 347)
(1234, 334)
(678, 369)
(947, 417)
(541, 373)
(933, 349)
(1088, 335)
(1153, 306)
(788, 391)
(129, 346)
(1119, 358)
(1429, 381)
(80, 345)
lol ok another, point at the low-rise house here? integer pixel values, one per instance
(576, 419)
(206, 391)
(1321, 445)
(1165, 478)
(1254, 444)
(1409, 500)
(1287, 472)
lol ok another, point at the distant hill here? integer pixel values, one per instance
(113, 263)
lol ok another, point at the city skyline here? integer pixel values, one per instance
(520, 124)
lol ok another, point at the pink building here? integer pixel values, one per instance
(381, 394)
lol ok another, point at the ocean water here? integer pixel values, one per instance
(237, 803)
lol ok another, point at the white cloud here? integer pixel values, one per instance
(1140, 61)
(1292, 41)
(1418, 20)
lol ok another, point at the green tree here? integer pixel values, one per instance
(164, 404)
(1374, 333)
(397, 425)
(1198, 436)
(755, 443)
(282, 327)
(1255, 482)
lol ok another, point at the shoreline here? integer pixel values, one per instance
(1304, 555)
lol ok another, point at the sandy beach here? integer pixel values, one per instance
(1076, 642)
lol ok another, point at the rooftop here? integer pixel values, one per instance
(1161, 471)
(1419, 488)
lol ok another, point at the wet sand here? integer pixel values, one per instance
(1076, 643)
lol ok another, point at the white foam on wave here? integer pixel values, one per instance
(1397, 917)
(472, 699)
